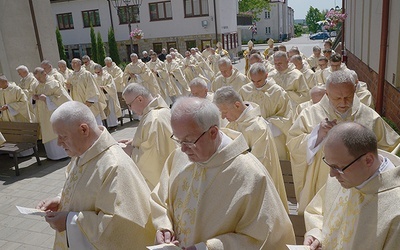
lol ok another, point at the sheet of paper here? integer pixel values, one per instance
(164, 246)
(298, 247)
(30, 211)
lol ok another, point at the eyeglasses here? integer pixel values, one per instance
(341, 171)
(189, 144)
(129, 104)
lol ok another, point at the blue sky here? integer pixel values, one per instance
(302, 6)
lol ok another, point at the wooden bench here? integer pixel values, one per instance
(124, 106)
(20, 136)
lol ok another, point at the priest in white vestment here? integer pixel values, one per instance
(246, 119)
(104, 202)
(274, 104)
(137, 71)
(229, 76)
(49, 95)
(106, 84)
(116, 72)
(213, 194)
(305, 137)
(150, 146)
(290, 79)
(83, 88)
(13, 103)
(358, 208)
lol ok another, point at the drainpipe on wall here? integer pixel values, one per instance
(35, 27)
(109, 9)
(382, 57)
(344, 52)
(215, 23)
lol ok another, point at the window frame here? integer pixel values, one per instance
(134, 13)
(70, 21)
(157, 11)
(90, 24)
(200, 9)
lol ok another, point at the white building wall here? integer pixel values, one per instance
(363, 35)
(18, 43)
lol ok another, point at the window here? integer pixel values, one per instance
(132, 11)
(267, 15)
(65, 21)
(204, 43)
(267, 30)
(160, 11)
(195, 8)
(76, 53)
(190, 44)
(157, 47)
(91, 18)
(171, 45)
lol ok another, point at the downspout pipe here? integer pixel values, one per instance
(35, 27)
(383, 56)
(344, 52)
(109, 9)
(215, 22)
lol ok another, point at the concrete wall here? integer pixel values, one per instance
(18, 44)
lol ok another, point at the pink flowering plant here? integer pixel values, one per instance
(333, 18)
(137, 34)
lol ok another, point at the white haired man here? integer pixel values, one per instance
(308, 74)
(137, 71)
(229, 76)
(306, 136)
(52, 72)
(107, 85)
(206, 199)
(246, 119)
(175, 75)
(290, 79)
(88, 64)
(83, 88)
(104, 202)
(48, 95)
(358, 207)
(13, 103)
(151, 145)
(116, 72)
(64, 70)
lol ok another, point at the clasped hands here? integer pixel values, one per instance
(166, 236)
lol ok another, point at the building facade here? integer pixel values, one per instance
(27, 36)
(180, 24)
(276, 23)
(373, 50)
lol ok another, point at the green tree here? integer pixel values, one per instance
(298, 29)
(112, 46)
(253, 6)
(101, 52)
(313, 16)
(61, 49)
(94, 45)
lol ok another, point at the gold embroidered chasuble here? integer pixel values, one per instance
(111, 196)
(309, 178)
(15, 98)
(275, 107)
(366, 218)
(261, 143)
(57, 95)
(152, 143)
(228, 202)
(236, 81)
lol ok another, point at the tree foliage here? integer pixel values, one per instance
(94, 45)
(112, 46)
(61, 49)
(313, 16)
(101, 52)
(254, 6)
(298, 30)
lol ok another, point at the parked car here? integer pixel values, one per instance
(319, 36)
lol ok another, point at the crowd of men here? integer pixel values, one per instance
(202, 170)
